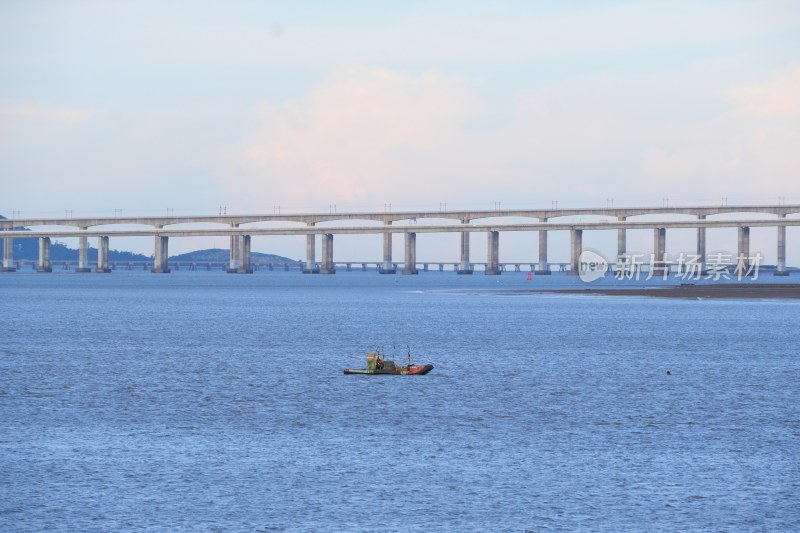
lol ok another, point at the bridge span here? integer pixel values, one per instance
(236, 228)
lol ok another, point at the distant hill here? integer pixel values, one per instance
(223, 254)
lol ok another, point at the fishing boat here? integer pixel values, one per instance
(377, 364)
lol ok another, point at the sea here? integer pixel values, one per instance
(206, 401)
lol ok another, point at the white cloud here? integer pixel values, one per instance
(749, 150)
(351, 137)
(778, 98)
(368, 136)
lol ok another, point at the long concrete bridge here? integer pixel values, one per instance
(239, 229)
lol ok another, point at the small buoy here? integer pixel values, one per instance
(669, 372)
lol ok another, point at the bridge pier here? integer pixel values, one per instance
(464, 267)
(701, 247)
(387, 267)
(410, 267)
(8, 254)
(781, 270)
(622, 241)
(102, 255)
(310, 266)
(243, 248)
(743, 250)
(233, 254)
(575, 249)
(327, 266)
(83, 249)
(659, 264)
(544, 268)
(44, 264)
(493, 259)
(161, 259)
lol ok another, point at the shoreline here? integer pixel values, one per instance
(778, 291)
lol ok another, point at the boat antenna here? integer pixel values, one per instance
(409, 354)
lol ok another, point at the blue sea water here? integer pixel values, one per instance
(202, 401)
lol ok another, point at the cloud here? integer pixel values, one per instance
(364, 136)
(749, 150)
(779, 97)
(352, 138)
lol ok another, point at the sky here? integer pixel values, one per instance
(255, 106)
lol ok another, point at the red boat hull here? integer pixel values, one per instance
(419, 369)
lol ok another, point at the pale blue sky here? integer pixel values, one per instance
(142, 106)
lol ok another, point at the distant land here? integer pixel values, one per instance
(223, 254)
(781, 291)
(28, 250)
